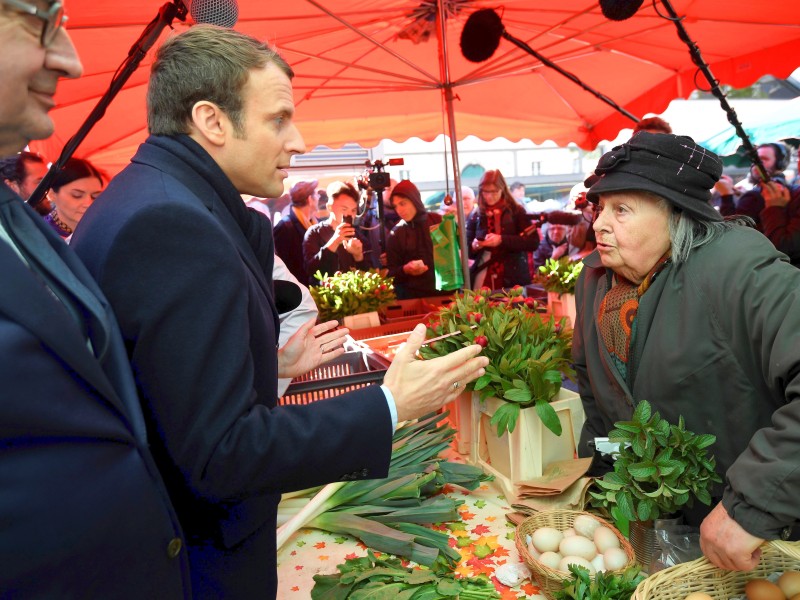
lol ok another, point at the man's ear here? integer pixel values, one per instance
(210, 123)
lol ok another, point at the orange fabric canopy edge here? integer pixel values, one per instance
(368, 70)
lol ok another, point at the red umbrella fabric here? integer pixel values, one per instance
(374, 69)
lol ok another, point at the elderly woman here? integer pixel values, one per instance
(701, 317)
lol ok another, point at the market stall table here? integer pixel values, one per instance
(491, 544)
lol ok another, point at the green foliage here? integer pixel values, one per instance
(659, 469)
(605, 585)
(560, 275)
(527, 356)
(386, 578)
(352, 292)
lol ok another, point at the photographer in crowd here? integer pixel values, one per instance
(335, 244)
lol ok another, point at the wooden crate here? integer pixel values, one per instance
(415, 308)
(524, 453)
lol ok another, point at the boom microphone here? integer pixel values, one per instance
(481, 35)
(223, 13)
(619, 10)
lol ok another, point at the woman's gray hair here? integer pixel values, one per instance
(687, 232)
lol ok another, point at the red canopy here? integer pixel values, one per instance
(374, 69)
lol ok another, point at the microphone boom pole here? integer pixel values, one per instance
(697, 59)
(166, 15)
(571, 76)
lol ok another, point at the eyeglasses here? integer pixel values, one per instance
(54, 18)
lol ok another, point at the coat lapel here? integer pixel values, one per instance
(25, 300)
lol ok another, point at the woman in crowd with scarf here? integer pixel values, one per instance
(499, 236)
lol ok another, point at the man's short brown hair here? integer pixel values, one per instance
(203, 63)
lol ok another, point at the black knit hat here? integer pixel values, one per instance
(671, 166)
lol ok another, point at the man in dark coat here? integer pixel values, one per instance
(188, 270)
(291, 229)
(84, 512)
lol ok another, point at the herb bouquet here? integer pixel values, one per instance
(352, 293)
(560, 275)
(527, 356)
(660, 468)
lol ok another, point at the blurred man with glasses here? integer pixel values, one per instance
(84, 512)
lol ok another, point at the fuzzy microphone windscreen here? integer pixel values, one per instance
(481, 35)
(619, 10)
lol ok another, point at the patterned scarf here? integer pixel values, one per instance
(617, 315)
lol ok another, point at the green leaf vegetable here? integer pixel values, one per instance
(560, 275)
(659, 469)
(352, 292)
(527, 355)
(605, 585)
(385, 578)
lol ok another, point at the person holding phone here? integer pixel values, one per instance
(334, 244)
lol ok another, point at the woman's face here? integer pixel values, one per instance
(72, 199)
(491, 194)
(632, 231)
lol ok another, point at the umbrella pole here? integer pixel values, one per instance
(697, 59)
(166, 14)
(447, 93)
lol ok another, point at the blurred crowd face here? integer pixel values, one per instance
(767, 156)
(404, 208)
(468, 197)
(491, 194)
(74, 198)
(343, 206)
(556, 232)
(34, 173)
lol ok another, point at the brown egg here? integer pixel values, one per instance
(789, 583)
(761, 589)
(698, 596)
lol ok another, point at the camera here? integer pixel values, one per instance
(348, 219)
(379, 179)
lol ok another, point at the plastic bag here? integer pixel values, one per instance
(678, 543)
(447, 255)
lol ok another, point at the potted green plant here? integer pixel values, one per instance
(352, 292)
(659, 469)
(527, 355)
(558, 277)
(518, 410)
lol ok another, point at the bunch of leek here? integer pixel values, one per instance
(386, 514)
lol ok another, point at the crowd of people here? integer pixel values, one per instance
(143, 452)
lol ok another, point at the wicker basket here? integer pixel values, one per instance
(550, 580)
(675, 583)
